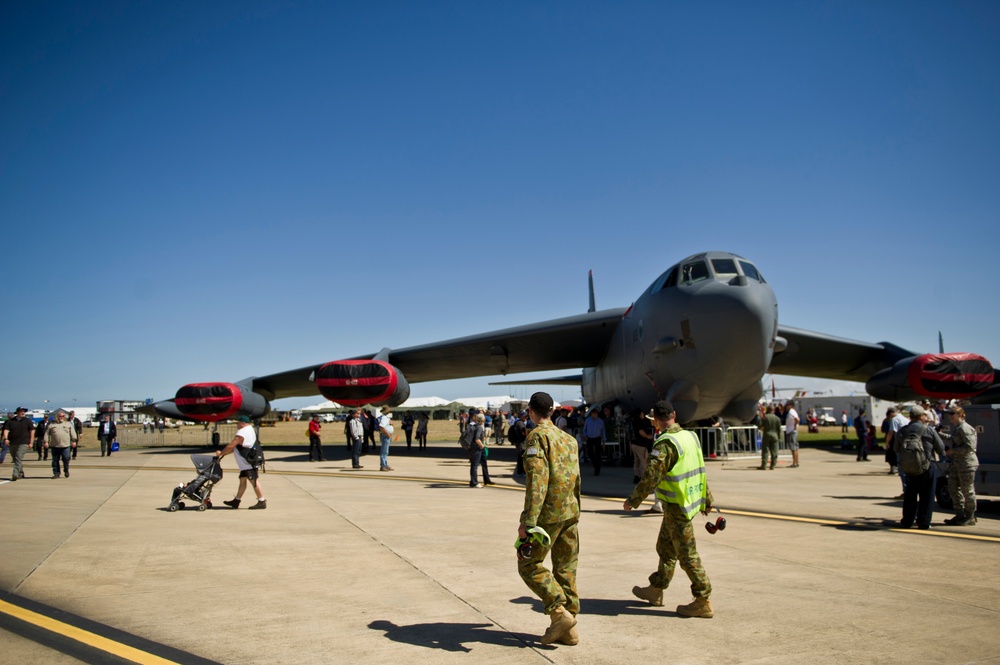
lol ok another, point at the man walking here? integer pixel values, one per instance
(676, 470)
(18, 433)
(107, 432)
(861, 429)
(247, 461)
(43, 452)
(61, 438)
(551, 509)
(78, 426)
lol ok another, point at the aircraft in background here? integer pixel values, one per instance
(702, 336)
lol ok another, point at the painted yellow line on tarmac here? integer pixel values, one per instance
(83, 636)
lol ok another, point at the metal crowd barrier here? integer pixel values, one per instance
(737, 442)
(134, 437)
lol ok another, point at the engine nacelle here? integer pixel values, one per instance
(937, 375)
(212, 402)
(360, 382)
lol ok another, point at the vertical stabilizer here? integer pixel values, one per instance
(940, 342)
(590, 282)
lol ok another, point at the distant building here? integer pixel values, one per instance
(121, 410)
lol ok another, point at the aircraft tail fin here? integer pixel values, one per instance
(940, 342)
(590, 282)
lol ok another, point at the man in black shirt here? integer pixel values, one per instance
(18, 434)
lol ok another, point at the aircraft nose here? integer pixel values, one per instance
(738, 322)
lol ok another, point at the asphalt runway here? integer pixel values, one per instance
(365, 567)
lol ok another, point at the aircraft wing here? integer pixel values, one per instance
(567, 343)
(824, 356)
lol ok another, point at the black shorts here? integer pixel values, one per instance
(249, 473)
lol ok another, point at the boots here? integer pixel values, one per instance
(571, 638)
(965, 519)
(650, 594)
(562, 622)
(232, 503)
(700, 607)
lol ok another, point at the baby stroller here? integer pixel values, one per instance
(199, 489)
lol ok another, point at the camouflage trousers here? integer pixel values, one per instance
(557, 587)
(962, 486)
(676, 545)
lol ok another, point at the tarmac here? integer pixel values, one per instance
(414, 566)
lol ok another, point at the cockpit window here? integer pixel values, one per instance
(665, 281)
(750, 270)
(724, 268)
(694, 272)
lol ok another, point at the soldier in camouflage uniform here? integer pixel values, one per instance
(962, 469)
(552, 502)
(676, 470)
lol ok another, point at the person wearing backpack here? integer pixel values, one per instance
(915, 445)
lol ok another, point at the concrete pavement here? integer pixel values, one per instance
(365, 567)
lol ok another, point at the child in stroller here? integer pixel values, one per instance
(199, 489)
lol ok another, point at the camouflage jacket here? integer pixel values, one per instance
(552, 486)
(657, 467)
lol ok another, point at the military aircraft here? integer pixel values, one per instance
(702, 336)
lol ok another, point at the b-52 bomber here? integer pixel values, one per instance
(702, 336)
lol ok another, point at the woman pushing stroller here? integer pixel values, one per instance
(248, 459)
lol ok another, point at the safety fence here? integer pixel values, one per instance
(135, 437)
(740, 441)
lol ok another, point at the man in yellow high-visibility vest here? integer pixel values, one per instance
(676, 469)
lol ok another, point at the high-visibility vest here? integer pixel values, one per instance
(685, 483)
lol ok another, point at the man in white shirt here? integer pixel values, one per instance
(792, 431)
(384, 425)
(247, 461)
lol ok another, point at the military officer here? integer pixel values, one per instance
(552, 502)
(676, 470)
(962, 469)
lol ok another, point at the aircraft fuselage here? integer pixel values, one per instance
(702, 336)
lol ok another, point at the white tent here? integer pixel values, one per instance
(423, 403)
(319, 408)
(494, 402)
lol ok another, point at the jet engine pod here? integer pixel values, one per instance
(937, 375)
(212, 402)
(359, 382)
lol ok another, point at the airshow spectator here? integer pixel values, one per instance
(61, 436)
(792, 431)
(18, 434)
(315, 444)
(78, 426)
(355, 433)
(770, 428)
(385, 437)
(422, 422)
(918, 493)
(594, 435)
(407, 422)
(107, 432)
(43, 452)
(861, 429)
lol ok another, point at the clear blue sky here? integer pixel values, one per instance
(208, 191)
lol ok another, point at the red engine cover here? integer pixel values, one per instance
(209, 402)
(359, 382)
(950, 375)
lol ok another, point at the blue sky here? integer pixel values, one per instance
(209, 191)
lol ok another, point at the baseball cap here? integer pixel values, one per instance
(541, 402)
(916, 411)
(661, 409)
(244, 419)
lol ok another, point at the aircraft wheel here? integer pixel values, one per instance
(172, 507)
(943, 497)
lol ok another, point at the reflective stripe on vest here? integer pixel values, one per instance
(685, 484)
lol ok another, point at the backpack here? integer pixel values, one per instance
(468, 437)
(517, 433)
(912, 455)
